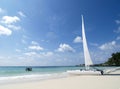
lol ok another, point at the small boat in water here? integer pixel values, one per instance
(28, 69)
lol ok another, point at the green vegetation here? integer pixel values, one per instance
(114, 60)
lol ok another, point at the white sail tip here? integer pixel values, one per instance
(82, 15)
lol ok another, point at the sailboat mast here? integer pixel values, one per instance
(87, 57)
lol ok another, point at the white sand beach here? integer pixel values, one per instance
(111, 81)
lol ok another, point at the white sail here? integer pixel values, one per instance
(87, 57)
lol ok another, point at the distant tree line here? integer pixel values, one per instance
(114, 60)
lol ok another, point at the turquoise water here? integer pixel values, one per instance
(8, 73)
(15, 71)
(18, 73)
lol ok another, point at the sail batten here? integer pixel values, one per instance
(87, 57)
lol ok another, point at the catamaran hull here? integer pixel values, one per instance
(85, 72)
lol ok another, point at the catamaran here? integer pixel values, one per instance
(87, 57)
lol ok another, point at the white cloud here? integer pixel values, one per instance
(100, 56)
(14, 27)
(5, 31)
(23, 41)
(25, 37)
(117, 21)
(10, 19)
(118, 30)
(1, 10)
(30, 53)
(65, 48)
(21, 14)
(10, 22)
(108, 46)
(39, 55)
(48, 54)
(78, 39)
(34, 43)
(18, 50)
(118, 38)
(35, 47)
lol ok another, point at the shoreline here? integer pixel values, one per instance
(107, 81)
(31, 77)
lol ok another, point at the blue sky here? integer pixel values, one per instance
(48, 32)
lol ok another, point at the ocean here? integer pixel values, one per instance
(11, 73)
(14, 73)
